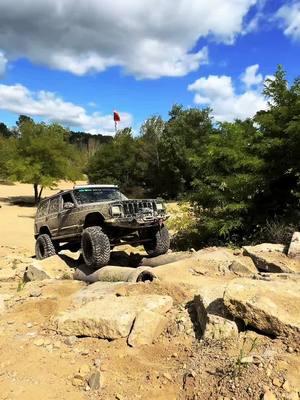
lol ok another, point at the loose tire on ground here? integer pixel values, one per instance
(44, 247)
(95, 247)
(159, 244)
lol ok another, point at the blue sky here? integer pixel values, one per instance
(75, 62)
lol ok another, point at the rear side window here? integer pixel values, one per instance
(42, 210)
(54, 205)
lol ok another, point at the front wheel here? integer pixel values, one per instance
(44, 247)
(95, 247)
(160, 242)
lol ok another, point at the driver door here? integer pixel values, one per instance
(68, 224)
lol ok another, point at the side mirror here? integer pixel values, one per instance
(68, 205)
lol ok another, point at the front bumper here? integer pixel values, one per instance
(137, 222)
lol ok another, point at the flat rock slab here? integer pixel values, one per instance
(97, 291)
(111, 317)
(294, 249)
(275, 262)
(265, 248)
(271, 307)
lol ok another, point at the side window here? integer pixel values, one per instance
(67, 198)
(42, 211)
(54, 205)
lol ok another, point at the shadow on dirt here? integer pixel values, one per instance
(21, 201)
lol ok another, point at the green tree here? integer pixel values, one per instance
(43, 156)
(280, 147)
(4, 131)
(117, 162)
(228, 177)
(7, 155)
(183, 139)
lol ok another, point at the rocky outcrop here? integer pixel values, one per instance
(294, 249)
(50, 268)
(270, 258)
(111, 317)
(271, 307)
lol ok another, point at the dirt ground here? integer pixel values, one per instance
(37, 363)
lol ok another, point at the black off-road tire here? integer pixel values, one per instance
(160, 242)
(44, 247)
(95, 247)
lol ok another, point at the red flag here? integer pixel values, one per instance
(117, 116)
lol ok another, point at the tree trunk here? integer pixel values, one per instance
(40, 193)
(36, 193)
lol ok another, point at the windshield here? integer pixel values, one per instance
(95, 195)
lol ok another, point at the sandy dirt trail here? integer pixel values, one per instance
(16, 222)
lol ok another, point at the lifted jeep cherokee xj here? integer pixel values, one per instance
(95, 218)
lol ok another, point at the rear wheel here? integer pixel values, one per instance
(44, 247)
(95, 247)
(159, 243)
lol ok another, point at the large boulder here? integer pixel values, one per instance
(111, 317)
(49, 268)
(148, 325)
(294, 249)
(272, 307)
(271, 258)
(213, 327)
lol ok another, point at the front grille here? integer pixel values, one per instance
(138, 207)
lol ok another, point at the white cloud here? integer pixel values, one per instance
(219, 93)
(146, 38)
(289, 17)
(251, 77)
(3, 63)
(18, 99)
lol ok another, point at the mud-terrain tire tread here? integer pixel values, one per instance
(45, 241)
(160, 243)
(96, 253)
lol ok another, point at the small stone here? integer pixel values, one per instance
(290, 349)
(167, 376)
(35, 293)
(49, 347)
(247, 360)
(29, 325)
(70, 340)
(10, 322)
(39, 342)
(175, 355)
(94, 380)
(85, 352)
(268, 395)
(119, 397)
(276, 382)
(269, 371)
(57, 345)
(77, 381)
(286, 386)
(97, 362)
